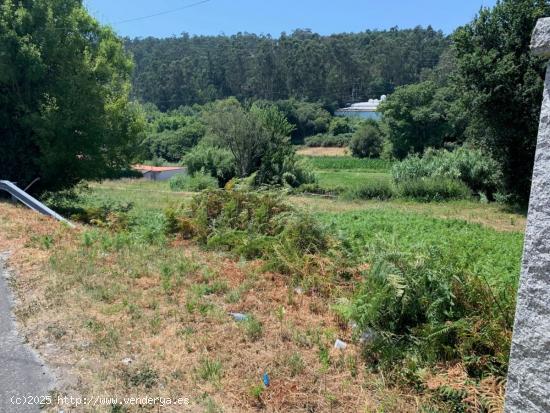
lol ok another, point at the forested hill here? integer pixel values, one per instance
(332, 69)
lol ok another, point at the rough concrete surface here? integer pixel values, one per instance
(528, 388)
(23, 376)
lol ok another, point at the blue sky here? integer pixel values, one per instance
(275, 16)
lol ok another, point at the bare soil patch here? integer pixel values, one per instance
(323, 152)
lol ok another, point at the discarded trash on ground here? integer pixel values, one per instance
(239, 316)
(340, 345)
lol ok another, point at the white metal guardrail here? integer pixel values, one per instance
(30, 201)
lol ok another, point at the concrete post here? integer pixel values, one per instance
(528, 387)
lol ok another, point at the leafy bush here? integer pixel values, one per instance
(251, 224)
(367, 141)
(306, 117)
(216, 161)
(328, 140)
(193, 183)
(258, 138)
(371, 189)
(171, 135)
(281, 167)
(433, 189)
(471, 166)
(74, 203)
(340, 125)
(419, 312)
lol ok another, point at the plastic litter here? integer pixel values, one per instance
(127, 361)
(367, 336)
(266, 380)
(239, 316)
(340, 345)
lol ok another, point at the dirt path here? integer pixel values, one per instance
(23, 376)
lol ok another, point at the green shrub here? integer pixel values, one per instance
(419, 116)
(145, 376)
(193, 183)
(419, 312)
(317, 189)
(371, 189)
(438, 291)
(283, 168)
(112, 215)
(471, 166)
(367, 141)
(251, 224)
(308, 118)
(433, 189)
(328, 140)
(216, 161)
(252, 328)
(170, 135)
(340, 125)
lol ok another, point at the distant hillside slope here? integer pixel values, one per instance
(332, 69)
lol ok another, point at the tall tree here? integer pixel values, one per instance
(501, 85)
(65, 113)
(417, 117)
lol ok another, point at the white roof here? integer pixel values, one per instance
(370, 106)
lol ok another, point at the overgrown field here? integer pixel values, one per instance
(139, 299)
(347, 162)
(345, 176)
(438, 176)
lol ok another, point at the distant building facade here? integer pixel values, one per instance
(367, 110)
(159, 173)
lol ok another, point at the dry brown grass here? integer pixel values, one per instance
(486, 396)
(323, 151)
(87, 305)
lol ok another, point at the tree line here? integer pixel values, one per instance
(334, 69)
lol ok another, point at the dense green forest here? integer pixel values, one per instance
(332, 69)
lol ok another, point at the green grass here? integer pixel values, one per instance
(210, 370)
(346, 162)
(344, 174)
(143, 194)
(348, 179)
(492, 254)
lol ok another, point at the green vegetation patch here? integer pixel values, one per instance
(346, 162)
(437, 290)
(251, 224)
(193, 183)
